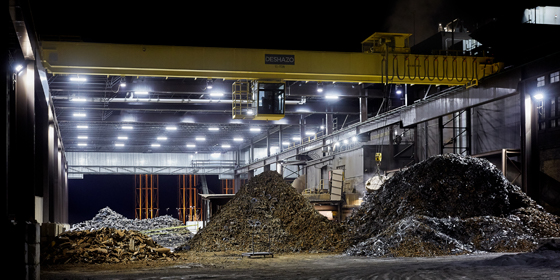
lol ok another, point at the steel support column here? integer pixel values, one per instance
(329, 124)
(529, 143)
(363, 106)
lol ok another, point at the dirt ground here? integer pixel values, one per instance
(230, 265)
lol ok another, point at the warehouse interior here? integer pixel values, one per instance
(327, 122)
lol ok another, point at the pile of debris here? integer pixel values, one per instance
(105, 245)
(448, 204)
(272, 216)
(164, 230)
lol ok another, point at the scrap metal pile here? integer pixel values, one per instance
(270, 214)
(105, 245)
(164, 230)
(448, 204)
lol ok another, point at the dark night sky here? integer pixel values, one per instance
(87, 196)
(284, 25)
(332, 27)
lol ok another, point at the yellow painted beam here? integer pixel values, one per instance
(232, 64)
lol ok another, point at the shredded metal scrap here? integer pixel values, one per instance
(448, 204)
(105, 245)
(272, 215)
(169, 236)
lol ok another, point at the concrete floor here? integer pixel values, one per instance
(479, 266)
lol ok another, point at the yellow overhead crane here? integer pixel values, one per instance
(385, 58)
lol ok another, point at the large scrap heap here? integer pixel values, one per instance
(269, 213)
(448, 204)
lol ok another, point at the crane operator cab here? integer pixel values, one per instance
(268, 100)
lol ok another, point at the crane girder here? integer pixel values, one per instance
(78, 58)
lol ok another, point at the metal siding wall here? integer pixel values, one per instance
(496, 126)
(135, 159)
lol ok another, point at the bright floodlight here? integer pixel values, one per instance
(82, 137)
(82, 144)
(331, 97)
(119, 144)
(76, 79)
(171, 128)
(217, 94)
(122, 138)
(214, 128)
(200, 139)
(162, 138)
(539, 96)
(78, 99)
(156, 145)
(354, 139)
(141, 92)
(191, 145)
(126, 127)
(255, 129)
(79, 114)
(82, 126)
(345, 141)
(238, 139)
(19, 67)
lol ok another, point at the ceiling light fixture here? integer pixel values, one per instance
(250, 112)
(213, 128)
(238, 139)
(119, 144)
(82, 144)
(122, 138)
(191, 145)
(18, 68)
(162, 138)
(319, 87)
(309, 133)
(209, 84)
(156, 145)
(127, 127)
(82, 137)
(141, 93)
(215, 155)
(216, 94)
(200, 139)
(170, 128)
(78, 99)
(255, 129)
(296, 138)
(331, 97)
(123, 82)
(79, 114)
(286, 143)
(82, 126)
(226, 146)
(77, 79)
